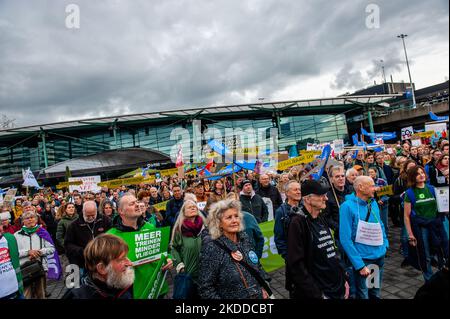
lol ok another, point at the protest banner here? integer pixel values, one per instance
(302, 159)
(385, 190)
(169, 172)
(148, 252)
(89, 184)
(407, 132)
(426, 134)
(338, 146)
(270, 259)
(114, 183)
(9, 197)
(67, 184)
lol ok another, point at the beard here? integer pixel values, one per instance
(119, 280)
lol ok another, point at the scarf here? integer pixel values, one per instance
(30, 231)
(192, 229)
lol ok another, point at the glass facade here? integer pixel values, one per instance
(293, 130)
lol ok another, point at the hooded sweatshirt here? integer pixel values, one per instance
(351, 211)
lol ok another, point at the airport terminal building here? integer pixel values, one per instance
(41, 147)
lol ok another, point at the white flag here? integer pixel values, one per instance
(28, 179)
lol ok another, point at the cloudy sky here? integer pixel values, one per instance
(143, 56)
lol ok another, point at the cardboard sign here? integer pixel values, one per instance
(338, 146)
(407, 132)
(10, 195)
(89, 184)
(442, 194)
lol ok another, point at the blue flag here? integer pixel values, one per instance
(326, 152)
(355, 139)
(383, 135)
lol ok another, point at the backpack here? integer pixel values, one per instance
(412, 197)
(286, 218)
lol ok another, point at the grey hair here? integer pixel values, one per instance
(122, 201)
(28, 214)
(288, 185)
(336, 168)
(216, 214)
(181, 218)
(360, 180)
(350, 171)
(89, 204)
(190, 196)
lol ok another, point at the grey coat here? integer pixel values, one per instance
(219, 277)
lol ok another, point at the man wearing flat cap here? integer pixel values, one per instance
(313, 269)
(252, 202)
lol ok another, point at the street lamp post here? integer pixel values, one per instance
(403, 36)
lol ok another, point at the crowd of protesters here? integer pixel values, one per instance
(330, 232)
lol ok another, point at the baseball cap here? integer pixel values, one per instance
(358, 167)
(313, 187)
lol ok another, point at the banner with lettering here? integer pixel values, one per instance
(270, 259)
(148, 252)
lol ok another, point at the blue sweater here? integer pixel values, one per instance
(348, 224)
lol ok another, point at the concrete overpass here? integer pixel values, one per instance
(402, 118)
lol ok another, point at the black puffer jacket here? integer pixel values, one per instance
(80, 233)
(95, 289)
(219, 277)
(255, 205)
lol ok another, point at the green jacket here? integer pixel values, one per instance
(61, 229)
(186, 250)
(143, 273)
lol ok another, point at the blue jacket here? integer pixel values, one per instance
(172, 210)
(279, 229)
(348, 224)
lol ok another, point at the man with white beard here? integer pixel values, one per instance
(110, 272)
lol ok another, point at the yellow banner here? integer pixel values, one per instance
(169, 172)
(426, 134)
(126, 181)
(67, 184)
(385, 190)
(303, 159)
(161, 206)
(310, 152)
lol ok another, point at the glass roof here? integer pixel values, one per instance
(347, 100)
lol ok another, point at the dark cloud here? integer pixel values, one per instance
(144, 56)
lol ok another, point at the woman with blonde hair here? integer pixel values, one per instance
(229, 267)
(185, 247)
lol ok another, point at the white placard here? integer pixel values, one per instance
(269, 205)
(442, 199)
(338, 146)
(416, 143)
(89, 184)
(436, 127)
(407, 132)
